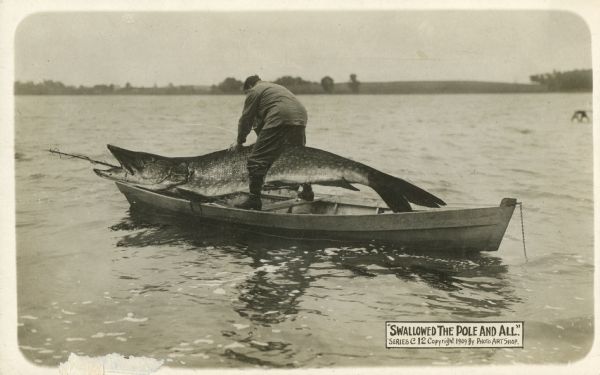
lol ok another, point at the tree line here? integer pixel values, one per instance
(228, 86)
(50, 87)
(297, 85)
(573, 80)
(569, 81)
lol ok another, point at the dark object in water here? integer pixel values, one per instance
(580, 116)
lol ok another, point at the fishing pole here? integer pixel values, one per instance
(83, 157)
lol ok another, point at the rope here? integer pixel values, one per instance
(523, 230)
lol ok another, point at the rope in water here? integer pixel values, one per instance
(83, 157)
(523, 230)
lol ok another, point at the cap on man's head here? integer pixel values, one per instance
(250, 82)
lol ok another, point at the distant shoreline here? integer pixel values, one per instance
(312, 88)
(339, 94)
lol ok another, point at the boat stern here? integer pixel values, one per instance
(507, 207)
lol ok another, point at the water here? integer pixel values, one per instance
(95, 278)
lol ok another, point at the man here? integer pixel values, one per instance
(278, 119)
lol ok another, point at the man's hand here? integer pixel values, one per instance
(234, 147)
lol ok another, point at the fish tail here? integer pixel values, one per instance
(397, 193)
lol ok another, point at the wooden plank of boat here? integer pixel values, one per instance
(472, 229)
(288, 204)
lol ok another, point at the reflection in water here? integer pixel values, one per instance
(271, 294)
(466, 286)
(281, 265)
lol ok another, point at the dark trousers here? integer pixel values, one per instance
(269, 144)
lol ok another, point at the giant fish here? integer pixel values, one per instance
(224, 172)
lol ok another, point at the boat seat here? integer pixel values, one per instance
(287, 204)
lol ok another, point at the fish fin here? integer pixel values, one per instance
(337, 183)
(397, 192)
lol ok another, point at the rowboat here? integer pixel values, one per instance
(331, 217)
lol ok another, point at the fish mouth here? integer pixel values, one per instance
(126, 158)
(100, 172)
(111, 174)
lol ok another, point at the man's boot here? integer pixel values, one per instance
(253, 202)
(307, 193)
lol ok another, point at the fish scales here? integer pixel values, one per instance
(224, 172)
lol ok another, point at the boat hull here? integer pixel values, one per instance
(475, 229)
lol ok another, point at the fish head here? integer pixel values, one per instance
(157, 172)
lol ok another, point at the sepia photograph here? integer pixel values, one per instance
(383, 188)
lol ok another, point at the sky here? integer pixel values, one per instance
(203, 48)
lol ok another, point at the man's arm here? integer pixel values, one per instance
(248, 116)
